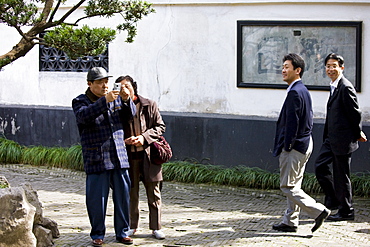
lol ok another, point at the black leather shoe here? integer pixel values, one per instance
(332, 208)
(284, 228)
(340, 217)
(320, 219)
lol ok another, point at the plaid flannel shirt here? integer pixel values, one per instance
(101, 131)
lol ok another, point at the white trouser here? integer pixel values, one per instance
(292, 167)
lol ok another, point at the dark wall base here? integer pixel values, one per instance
(37, 125)
(226, 140)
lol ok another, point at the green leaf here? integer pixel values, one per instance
(18, 13)
(79, 42)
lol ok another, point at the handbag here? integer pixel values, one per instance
(160, 151)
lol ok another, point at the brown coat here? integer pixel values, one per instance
(152, 127)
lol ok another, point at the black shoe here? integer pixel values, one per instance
(284, 228)
(320, 219)
(332, 208)
(341, 217)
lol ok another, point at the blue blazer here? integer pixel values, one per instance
(294, 126)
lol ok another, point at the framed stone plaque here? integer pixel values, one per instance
(261, 46)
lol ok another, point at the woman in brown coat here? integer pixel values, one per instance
(140, 131)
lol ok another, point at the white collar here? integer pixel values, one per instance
(291, 85)
(335, 83)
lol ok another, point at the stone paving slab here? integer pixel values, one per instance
(193, 215)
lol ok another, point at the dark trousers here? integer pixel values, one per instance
(153, 194)
(97, 191)
(335, 182)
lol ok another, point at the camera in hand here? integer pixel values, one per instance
(117, 87)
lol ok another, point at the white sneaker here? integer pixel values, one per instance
(130, 232)
(158, 234)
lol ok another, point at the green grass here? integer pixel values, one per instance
(35, 156)
(74, 158)
(240, 176)
(10, 151)
(13, 153)
(180, 171)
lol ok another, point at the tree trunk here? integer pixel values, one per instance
(19, 50)
(23, 46)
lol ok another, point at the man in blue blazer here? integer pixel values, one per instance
(341, 135)
(293, 145)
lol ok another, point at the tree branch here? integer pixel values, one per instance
(47, 9)
(61, 20)
(89, 16)
(19, 50)
(70, 24)
(37, 38)
(41, 43)
(21, 33)
(54, 11)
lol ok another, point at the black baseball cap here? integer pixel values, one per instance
(97, 73)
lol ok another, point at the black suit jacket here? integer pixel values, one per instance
(294, 126)
(343, 119)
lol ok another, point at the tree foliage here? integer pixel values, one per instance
(34, 17)
(80, 42)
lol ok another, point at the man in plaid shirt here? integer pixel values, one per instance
(98, 113)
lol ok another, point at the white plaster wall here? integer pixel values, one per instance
(19, 80)
(184, 57)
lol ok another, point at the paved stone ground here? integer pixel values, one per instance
(193, 215)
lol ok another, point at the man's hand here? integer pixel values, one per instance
(362, 138)
(112, 95)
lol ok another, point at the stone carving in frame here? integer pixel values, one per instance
(261, 46)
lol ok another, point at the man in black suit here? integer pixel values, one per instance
(341, 135)
(293, 145)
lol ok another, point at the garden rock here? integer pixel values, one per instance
(44, 236)
(52, 226)
(33, 198)
(21, 219)
(16, 218)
